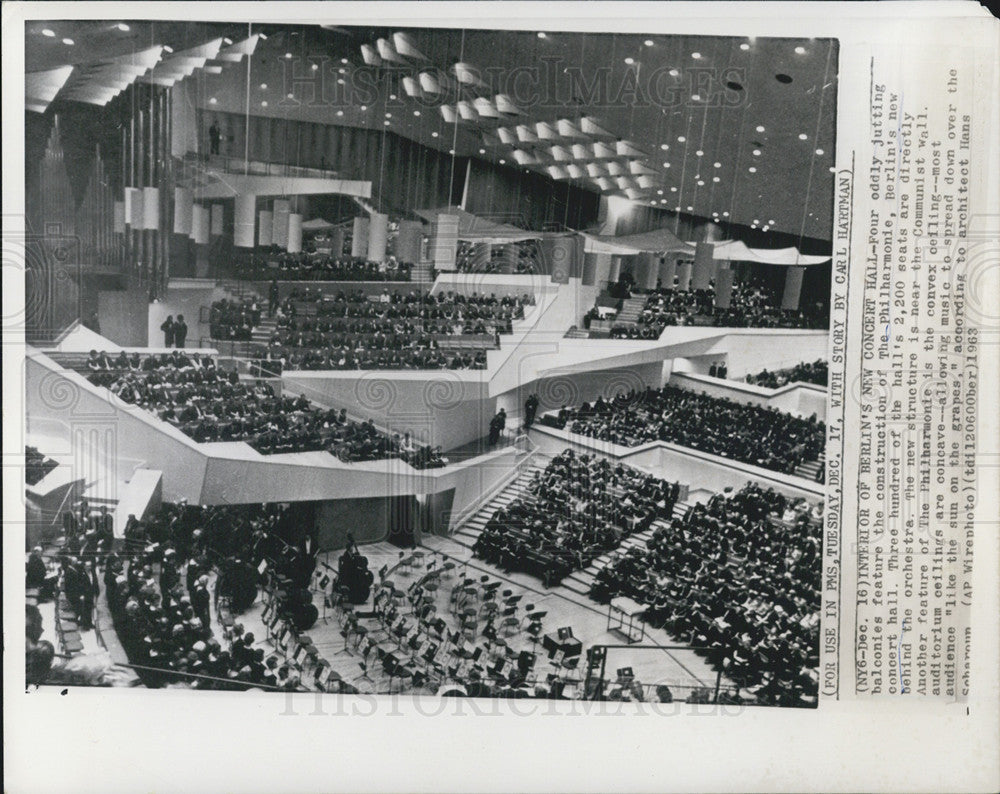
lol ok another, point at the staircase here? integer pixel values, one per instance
(631, 309)
(421, 274)
(811, 468)
(470, 530)
(580, 582)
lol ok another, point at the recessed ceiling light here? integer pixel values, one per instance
(756, 152)
(725, 214)
(342, 70)
(541, 34)
(68, 42)
(482, 151)
(630, 61)
(392, 97)
(771, 222)
(752, 170)
(673, 190)
(340, 81)
(744, 46)
(699, 153)
(800, 50)
(653, 202)
(681, 139)
(659, 192)
(717, 165)
(674, 72)
(696, 97)
(416, 112)
(678, 209)
(832, 169)
(690, 209)
(387, 122)
(502, 161)
(760, 128)
(803, 136)
(755, 220)
(451, 151)
(648, 42)
(364, 107)
(819, 151)
(263, 36)
(716, 179)
(124, 28)
(263, 86)
(168, 48)
(288, 55)
(696, 55)
(701, 183)
(212, 101)
(315, 66)
(663, 201)
(666, 165)
(340, 113)
(226, 40)
(343, 61)
(766, 227)
(664, 146)
(290, 96)
(388, 115)
(434, 134)
(48, 32)
(263, 104)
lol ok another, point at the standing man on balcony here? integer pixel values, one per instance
(214, 136)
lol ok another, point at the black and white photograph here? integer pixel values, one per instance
(447, 362)
(451, 360)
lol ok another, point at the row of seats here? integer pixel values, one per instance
(762, 436)
(575, 510)
(816, 372)
(211, 404)
(264, 265)
(738, 578)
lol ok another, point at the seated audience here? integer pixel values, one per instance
(208, 403)
(749, 433)
(233, 320)
(738, 578)
(575, 510)
(817, 373)
(266, 264)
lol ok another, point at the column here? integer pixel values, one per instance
(264, 237)
(723, 288)
(684, 275)
(244, 217)
(667, 271)
(704, 265)
(616, 269)
(793, 288)
(294, 242)
(183, 206)
(378, 236)
(646, 270)
(217, 216)
(279, 222)
(337, 242)
(602, 269)
(589, 269)
(359, 242)
(511, 254)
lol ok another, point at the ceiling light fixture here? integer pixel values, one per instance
(125, 28)
(630, 61)
(819, 151)
(699, 153)
(701, 183)
(344, 61)
(48, 32)
(288, 55)
(717, 165)
(664, 146)
(263, 86)
(756, 152)
(760, 128)
(68, 42)
(315, 66)
(226, 40)
(752, 170)
(263, 104)
(502, 161)
(696, 55)
(541, 34)
(648, 42)
(416, 112)
(482, 151)
(696, 97)
(800, 50)
(681, 139)
(725, 214)
(392, 97)
(212, 101)
(803, 136)
(744, 46)
(340, 113)
(364, 107)
(674, 72)
(716, 179)
(666, 165)
(434, 134)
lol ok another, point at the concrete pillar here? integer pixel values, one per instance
(266, 228)
(359, 242)
(245, 215)
(378, 236)
(444, 242)
(294, 233)
(793, 288)
(279, 222)
(704, 265)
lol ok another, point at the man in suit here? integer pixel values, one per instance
(180, 331)
(530, 409)
(168, 331)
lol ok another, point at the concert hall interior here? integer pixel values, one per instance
(426, 361)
